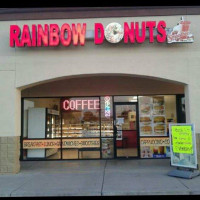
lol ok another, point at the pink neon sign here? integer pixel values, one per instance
(91, 104)
(47, 35)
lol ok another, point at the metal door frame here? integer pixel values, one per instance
(137, 124)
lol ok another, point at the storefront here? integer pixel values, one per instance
(72, 90)
(104, 127)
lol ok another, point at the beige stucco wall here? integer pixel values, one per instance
(24, 67)
(159, 60)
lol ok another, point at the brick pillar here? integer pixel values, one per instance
(9, 154)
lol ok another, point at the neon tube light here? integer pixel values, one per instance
(107, 106)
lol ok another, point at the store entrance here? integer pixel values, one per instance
(126, 130)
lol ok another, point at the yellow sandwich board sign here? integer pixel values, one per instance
(183, 145)
(182, 139)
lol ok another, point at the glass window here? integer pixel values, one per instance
(80, 117)
(106, 116)
(53, 153)
(76, 148)
(41, 118)
(41, 128)
(152, 116)
(80, 127)
(77, 118)
(170, 110)
(155, 113)
(180, 99)
(69, 153)
(107, 148)
(126, 117)
(89, 154)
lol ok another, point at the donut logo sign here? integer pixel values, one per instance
(114, 32)
(132, 32)
(181, 32)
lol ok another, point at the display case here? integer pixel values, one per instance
(80, 130)
(53, 124)
(43, 123)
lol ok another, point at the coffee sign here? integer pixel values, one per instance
(81, 104)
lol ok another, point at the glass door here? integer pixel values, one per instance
(125, 128)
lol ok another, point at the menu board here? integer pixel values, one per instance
(152, 117)
(158, 147)
(66, 143)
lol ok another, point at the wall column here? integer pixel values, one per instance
(10, 122)
(192, 104)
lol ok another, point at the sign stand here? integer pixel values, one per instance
(183, 151)
(184, 173)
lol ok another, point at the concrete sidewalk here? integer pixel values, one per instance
(96, 178)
